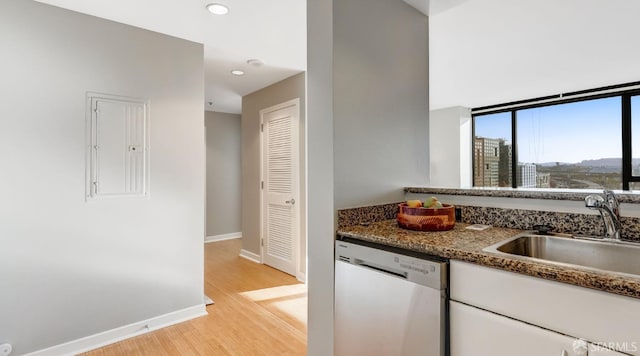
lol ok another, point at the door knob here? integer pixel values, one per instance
(292, 201)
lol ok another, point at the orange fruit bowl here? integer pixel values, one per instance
(427, 219)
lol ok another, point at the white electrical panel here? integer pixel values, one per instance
(118, 150)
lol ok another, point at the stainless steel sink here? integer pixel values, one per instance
(601, 255)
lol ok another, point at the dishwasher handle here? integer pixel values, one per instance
(429, 273)
(380, 268)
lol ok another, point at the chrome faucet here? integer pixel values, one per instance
(609, 209)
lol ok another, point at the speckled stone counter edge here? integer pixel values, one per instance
(461, 246)
(520, 193)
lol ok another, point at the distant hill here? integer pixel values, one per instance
(553, 164)
(607, 162)
(604, 162)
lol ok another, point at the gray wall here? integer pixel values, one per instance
(367, 125)
(223, 173)
(288, 89)
(71, 268)
(380, 83)
(321, 232)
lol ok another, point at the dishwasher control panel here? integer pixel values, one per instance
(417, 270)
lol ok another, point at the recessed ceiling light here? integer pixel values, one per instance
(255, 62)
(217, 9)
(237, 72)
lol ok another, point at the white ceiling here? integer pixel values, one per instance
(486, 52)
(273, 31)
(433, 7)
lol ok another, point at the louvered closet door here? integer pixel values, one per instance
(280, 192)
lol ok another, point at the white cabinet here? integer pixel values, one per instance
(595, 316)
(479, 332)
(595, 350)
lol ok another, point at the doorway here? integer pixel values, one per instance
(280, 186)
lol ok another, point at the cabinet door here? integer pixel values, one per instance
(595, 350)
(571, 310)
(479, 332)
(118, 144)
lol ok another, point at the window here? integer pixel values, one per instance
(635, 141)
(582, 140)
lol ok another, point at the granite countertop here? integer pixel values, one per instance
(466, 245)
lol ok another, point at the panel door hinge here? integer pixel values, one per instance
(261, 127)
(262, 242)
(262, 185)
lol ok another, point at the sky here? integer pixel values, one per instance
(568, 133)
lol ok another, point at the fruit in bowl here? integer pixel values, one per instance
(432, 203)
(432, 215)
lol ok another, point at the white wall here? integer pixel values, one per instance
(380, 95)
(450, 145)
(486, 52)
(224, 176)
(71, 268)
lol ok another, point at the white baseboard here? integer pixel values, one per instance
(223, 237)
(302, 277)
(250, 256)
(95, 341)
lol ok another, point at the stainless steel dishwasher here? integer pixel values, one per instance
(389, 301)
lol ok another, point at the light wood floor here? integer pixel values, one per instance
(258, 311)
